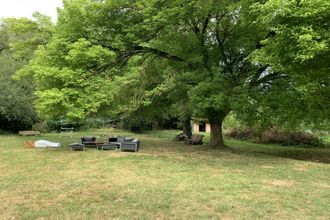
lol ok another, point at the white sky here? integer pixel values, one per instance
(25, 8)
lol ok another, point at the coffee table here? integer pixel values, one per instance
(106, 146)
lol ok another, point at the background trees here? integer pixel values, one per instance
(19, 38)
(16, 109)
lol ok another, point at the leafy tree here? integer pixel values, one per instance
(123, 56)
(25, 35)
(19, 38)
(16, 110)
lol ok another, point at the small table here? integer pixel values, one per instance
(107, 146)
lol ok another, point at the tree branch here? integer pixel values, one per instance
(159, 53)
(256, 81)
(201, 36)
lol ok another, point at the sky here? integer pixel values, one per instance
(25, 8)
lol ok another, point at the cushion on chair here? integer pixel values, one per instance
(112, 139)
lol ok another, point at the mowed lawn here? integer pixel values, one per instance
(165, 180)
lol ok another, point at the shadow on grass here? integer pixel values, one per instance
(237, 147)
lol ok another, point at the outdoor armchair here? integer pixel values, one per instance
(130, 146)
(88, 141)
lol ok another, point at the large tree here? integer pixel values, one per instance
(120, 55)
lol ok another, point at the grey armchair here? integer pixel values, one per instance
(88, 141)
(130, 146)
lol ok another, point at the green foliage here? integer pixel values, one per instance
(278, 104)
(65, 87)
(19, 38)
(16, 110)
(25, 35)
(205, 99)
(299, 46)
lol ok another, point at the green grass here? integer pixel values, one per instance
(165, 180)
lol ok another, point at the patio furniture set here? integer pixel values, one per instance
(113, 143)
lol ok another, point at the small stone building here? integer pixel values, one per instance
(201, 125)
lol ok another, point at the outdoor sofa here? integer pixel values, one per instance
(125, 144)
(133, 145)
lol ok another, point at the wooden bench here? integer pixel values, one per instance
(28, 133)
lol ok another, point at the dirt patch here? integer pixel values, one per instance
(284, 183)
(323, 185)
(267, 167)
(305, 166)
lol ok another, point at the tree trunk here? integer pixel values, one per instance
(186, 126)
(216, 135)
(216, 120)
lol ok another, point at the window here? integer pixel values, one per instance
(202, 127)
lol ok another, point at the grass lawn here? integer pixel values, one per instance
(165, 180)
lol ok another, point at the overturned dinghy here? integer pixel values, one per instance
(46, 144)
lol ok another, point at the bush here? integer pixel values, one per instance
(41, 127)
(241, 133)
(136, 124)
(93, 123)
(276, 136)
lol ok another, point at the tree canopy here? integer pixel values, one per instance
(205, 57)
(299, 47)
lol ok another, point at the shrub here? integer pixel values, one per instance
(277, 136)
(41, 127)
(136, 124)
(241, 133)
(93, 123)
